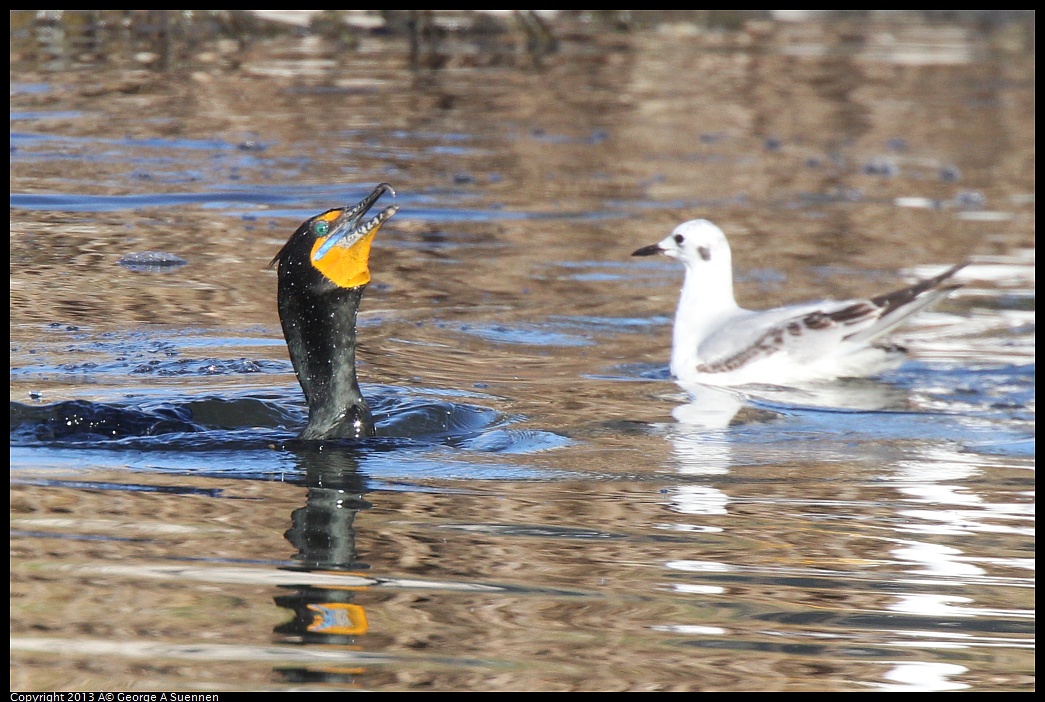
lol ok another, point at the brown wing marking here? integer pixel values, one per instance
(773, 340)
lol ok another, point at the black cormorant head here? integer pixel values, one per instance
(334, 247)
(323, 269)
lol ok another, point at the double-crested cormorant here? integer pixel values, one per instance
(323, 269)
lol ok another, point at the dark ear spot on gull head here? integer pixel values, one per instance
(705, 252)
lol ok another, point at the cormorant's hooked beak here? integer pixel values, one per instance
(346, 231)
(648, 250)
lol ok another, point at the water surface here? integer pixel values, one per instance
(543, 508)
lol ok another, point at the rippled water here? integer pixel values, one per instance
(543, 508)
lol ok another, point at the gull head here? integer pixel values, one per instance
(697, 242)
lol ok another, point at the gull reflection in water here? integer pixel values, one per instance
(704, 436)
(701, 446)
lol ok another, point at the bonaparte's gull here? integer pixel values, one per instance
(716, 342)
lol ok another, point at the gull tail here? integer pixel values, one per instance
(896, 307)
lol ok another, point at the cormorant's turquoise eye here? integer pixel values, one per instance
(321, 228)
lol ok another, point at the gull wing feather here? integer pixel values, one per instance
(804, 332)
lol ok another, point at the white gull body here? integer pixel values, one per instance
(716, 342)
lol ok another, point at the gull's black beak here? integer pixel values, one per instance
(648, 250)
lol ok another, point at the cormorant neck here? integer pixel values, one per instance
(319, 323)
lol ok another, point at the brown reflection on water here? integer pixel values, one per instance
(670, 118)
(570, 607)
